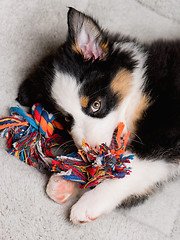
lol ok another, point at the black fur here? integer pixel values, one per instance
(36, 88)
(159, 128)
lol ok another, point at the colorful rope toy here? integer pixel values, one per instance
(31, 138)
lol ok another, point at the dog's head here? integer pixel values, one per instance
(97, 81)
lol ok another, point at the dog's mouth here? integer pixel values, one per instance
(74, 144)
(117, 133)
(71, 146)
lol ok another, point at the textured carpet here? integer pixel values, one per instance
(169, 9)
(28, 31)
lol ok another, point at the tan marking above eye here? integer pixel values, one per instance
(84, 100)
(122, 83)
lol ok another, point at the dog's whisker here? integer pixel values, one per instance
(137, 137)
(64, 145)
(136, 141)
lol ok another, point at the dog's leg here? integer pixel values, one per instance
(111, 193)
(35, 88)
(61, 190)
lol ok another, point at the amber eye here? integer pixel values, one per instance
(96, 106)
(67, 119)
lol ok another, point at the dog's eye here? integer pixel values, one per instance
(67, 119)
(96, 106)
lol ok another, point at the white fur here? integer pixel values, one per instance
(110, 193)
(65, 91)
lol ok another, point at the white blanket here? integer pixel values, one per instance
(28, 31)
(169, 9)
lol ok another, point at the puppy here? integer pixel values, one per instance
(96, 80)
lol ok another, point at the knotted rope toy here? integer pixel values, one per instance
(31, 138)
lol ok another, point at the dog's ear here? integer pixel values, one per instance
(86, 36)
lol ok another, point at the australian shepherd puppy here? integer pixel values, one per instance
(96, 80)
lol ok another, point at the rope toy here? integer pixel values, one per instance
(31, 138)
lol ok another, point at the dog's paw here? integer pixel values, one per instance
(88, 208)
(60, 190)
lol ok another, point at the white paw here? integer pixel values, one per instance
(60, 190)
(89, 207)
